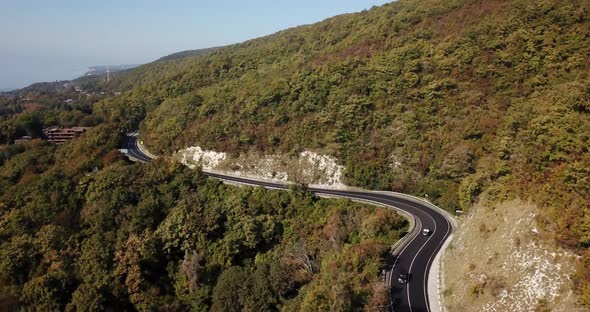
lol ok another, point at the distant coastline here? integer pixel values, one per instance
(102, 69)
(91, 71)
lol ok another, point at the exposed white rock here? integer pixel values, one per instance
(309, 167)
(394, 161)
(266, 168)
(326, 166)
(196, 156)
(521, 267)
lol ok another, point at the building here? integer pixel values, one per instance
(61, 135)
(23, 140)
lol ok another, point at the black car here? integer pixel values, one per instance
(402, 278)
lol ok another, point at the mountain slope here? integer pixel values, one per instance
(393, 82)
(374, 77)
(449, 98)
(466, 101)
(186, 54)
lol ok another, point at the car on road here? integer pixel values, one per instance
(402, 278)
(426, 232)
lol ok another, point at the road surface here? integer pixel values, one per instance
(415, 257)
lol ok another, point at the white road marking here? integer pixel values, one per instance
(419, 226)
(428, 264)
(414, 259)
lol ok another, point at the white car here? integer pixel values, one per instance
(426, 231)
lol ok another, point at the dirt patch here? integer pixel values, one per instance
(499, 261)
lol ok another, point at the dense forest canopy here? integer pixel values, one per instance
(449, 98)
(82, 229)
(186, 54)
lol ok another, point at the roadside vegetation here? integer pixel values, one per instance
(82, 229)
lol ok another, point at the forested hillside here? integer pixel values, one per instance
(83, 230)
(186, 54)
(26, 112)
(448, 98)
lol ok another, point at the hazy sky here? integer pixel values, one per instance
(45, 40)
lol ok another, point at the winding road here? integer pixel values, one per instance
(414, 256)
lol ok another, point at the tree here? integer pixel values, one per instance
(227, 294)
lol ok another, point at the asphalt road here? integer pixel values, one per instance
(414, 258)
(130, 144)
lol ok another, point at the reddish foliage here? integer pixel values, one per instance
(33, 107)
(368, 248)
(488, 122)
(111, 157)
(35, 143)
(456, 21)
(362, 49)
(27, 177)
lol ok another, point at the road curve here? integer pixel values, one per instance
(415, 257)
(132, 150)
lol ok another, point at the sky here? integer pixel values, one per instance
(42, 40)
